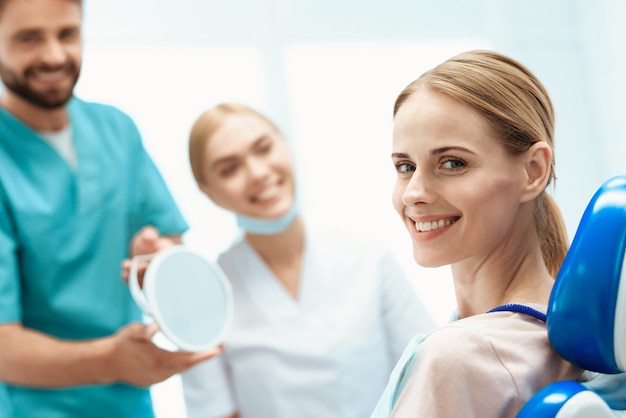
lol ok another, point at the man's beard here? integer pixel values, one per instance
(50, 99)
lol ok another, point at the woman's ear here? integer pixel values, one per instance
(537, 170)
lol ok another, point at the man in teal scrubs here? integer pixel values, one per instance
(78, 195)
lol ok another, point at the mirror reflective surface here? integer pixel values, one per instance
(189, 298)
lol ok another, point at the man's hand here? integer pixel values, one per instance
(147, 241)
(133, 357)
(30, 358)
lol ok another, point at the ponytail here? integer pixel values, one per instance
(552, 233)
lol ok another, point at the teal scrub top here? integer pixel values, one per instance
(63, 236)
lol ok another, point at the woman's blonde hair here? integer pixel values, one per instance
(518, 108)
(206, 125)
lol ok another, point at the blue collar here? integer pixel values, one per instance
(515, 307)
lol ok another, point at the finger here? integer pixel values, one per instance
(164, 242)
(201, 356)
(141, 272)
(143, 332)
(149, 234)
(182, 360)
(125, 270)
(146, 241)
(141, 268)
(151, 330)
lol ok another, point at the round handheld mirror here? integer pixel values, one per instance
(188, 297)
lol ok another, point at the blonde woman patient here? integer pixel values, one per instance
(320, 317)
(472, 146)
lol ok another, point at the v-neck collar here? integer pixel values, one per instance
(86, 142)
(267, 291)
(88, 147)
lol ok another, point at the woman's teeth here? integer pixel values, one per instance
(431, 226)
(267, 194)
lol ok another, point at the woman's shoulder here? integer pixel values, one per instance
(486, 335)
(503, 354)
(515, 345)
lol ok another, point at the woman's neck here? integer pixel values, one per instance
(282, 245)
(524, 279)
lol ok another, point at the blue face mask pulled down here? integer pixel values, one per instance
(267, 226)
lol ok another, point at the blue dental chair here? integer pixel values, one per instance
(586, 316)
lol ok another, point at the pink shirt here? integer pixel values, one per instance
(483, 366)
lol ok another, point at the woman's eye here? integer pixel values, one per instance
(228, 170)
(453, 164)
(405, 168)
(264, 146)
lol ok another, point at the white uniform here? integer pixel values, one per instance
(328, 354)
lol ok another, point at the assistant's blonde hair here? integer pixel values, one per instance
(206, 125)
(519, 110)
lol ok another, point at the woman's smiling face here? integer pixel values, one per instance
(458, 190)
(248, 168)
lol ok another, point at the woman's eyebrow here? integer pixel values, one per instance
(225, 160)
(231, 158)
(436, 151)
(443, 150)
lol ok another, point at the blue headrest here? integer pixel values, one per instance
(586, 317)
(565, 399)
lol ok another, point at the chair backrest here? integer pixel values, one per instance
(586, 316)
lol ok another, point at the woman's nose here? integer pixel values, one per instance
(257, 168)
(420, 189)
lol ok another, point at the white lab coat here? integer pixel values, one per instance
(328, 354)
